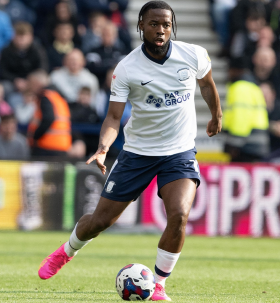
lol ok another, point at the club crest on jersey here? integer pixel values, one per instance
(156, 101)
(184, 74)
(110, 186)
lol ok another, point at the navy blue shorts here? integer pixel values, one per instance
(132, 173)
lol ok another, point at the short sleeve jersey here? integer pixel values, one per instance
(161, 92)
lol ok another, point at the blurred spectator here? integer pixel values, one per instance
(114, 9)
(92, 37)
(6, 30)
(43, 10)
(244, 43)
(245, 119)
(102, 58)
(49, 132)
(265, 68)
(62, 13)
(78, 149)
(102, 107)
(81, 111)
(5, 108)
(266, 37)
(104, 98)
(274, 21)
(12, 144)
(25, 110)
(20, 58)
(18, 11)
(63, 44)
(241, 12)
(221, 21)
(69, 79)
(273, 109)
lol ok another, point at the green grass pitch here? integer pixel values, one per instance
(209, 269)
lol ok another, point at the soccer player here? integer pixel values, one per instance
(159, 79)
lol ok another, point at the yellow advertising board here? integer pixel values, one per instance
(10, 194)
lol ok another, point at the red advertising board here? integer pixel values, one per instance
(231, 200)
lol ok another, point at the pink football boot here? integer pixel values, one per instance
(159, 294)
(53, 263)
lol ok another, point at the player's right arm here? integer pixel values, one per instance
(108, 134)
(110, 127)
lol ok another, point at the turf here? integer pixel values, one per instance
(209, 269)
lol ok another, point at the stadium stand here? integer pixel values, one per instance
(233, 31)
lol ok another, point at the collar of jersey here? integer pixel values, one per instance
(156, 60)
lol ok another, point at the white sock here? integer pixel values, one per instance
(74, 244)
(165, 263)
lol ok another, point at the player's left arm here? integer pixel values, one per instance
(211, 96)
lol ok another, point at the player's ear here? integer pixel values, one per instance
(141, 25)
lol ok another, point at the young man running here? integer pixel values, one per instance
(159, 79)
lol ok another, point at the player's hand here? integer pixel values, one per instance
(214, 127)
(100, 157)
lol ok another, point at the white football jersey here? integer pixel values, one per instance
(161, 92)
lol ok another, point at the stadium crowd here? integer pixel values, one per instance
(249, 34)
(72, 46)
(53, 49)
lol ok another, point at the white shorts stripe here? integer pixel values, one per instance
(114, 165)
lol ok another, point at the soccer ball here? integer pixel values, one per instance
(135, 282)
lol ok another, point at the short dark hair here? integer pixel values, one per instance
(61, 23)
(256, 13)
(7, 117)
(85, 89)
(154, 5)
(22, 28)
(95, 14)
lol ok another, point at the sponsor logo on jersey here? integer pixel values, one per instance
(169, 99)
(154, 100)
(184, 74)
(174, 98)
(110, 186)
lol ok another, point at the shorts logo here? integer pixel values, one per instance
(110, 186)
(184, 74)
(156, 101)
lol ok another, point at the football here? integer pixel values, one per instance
(135, 282)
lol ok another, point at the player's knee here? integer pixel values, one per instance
(178, 219)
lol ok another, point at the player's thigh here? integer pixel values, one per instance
(178, 197)
(107, 212)
(129, 176)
